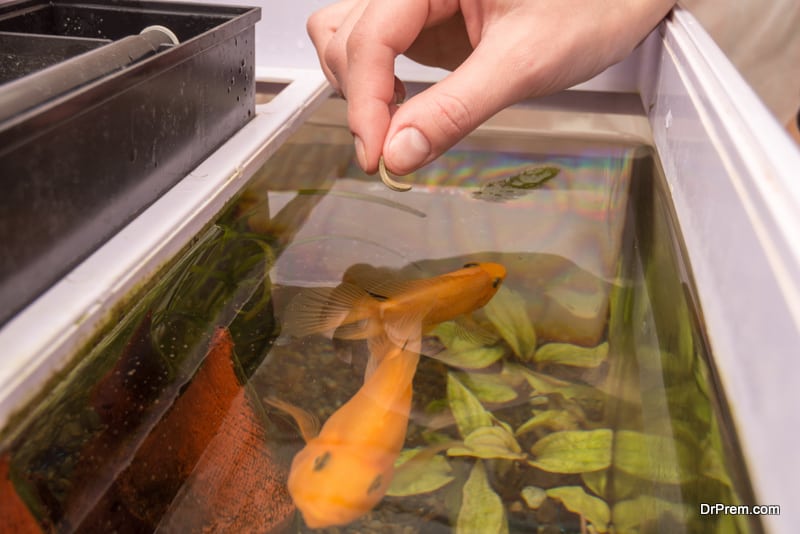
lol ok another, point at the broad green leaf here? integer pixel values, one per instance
(467, 409)
(533, 496)
(489, 442)
(628, 486)
(508, 313)
(488, 387)
(596, 481)
(573, 355)
(545, 385)
(713, 466)
(476, 358)
(630, 514)
(582, 304)
(414, 476)
(575, 499)
(552, 420)
(652, 457)
(573, 451)
(481, 508)
(685, 333)
(463, 351)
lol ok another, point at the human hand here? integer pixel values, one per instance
(500, 51)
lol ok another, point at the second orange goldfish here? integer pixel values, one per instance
(367, 304)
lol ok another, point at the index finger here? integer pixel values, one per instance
(384, 31)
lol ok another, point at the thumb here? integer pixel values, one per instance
(437, 118)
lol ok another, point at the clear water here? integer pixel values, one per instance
(601, 397)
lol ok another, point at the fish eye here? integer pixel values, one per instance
(496, 282)
(321, 461)
(376, 484)
(470, 264)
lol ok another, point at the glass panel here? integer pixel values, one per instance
(579, 399)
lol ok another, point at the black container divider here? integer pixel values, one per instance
(24, 53)
(89, 147)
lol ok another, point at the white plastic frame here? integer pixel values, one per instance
(734, 179)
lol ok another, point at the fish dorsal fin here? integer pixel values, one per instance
(366, 276)
(307, 422)
(321, 310)
(382, 283)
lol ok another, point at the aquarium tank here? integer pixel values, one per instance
(579, 398)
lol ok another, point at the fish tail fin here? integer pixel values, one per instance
(321, 310)
(307, 422)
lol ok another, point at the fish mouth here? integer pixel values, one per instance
(495, 270)
(329, 517)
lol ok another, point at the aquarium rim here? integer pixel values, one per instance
(730, 169)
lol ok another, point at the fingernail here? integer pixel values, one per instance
(408, 149)
(361, 155)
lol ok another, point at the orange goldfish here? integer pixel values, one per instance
(367, 305)
(346, 467)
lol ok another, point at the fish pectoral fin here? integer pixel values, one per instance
(356, 330)
(404, 330)
(424, 454)
(307, 422)
(468, 328)
(320, 310)
(402, 334)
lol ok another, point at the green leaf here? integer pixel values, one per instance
(508, 313)
(481, 508)
(573, 355)
(489, 442)
(414, 476)
(596, 481)
(573, 451)
(630, 514)
(545, 385)
(581, 304)
(489, 387)
(463, 351)
(713, 466)
(575, 499)
(652, 457)
(552, 420)
(467, 409)
(533, 496)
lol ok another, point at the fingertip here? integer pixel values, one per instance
(361, 155)
(407, 150)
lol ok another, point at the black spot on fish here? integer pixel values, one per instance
(378, 296)
(376, 484)
(321, 461)
(496, 282)
(470, 264)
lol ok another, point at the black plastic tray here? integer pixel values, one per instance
(97, 122)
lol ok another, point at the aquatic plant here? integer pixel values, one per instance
(572, 451)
